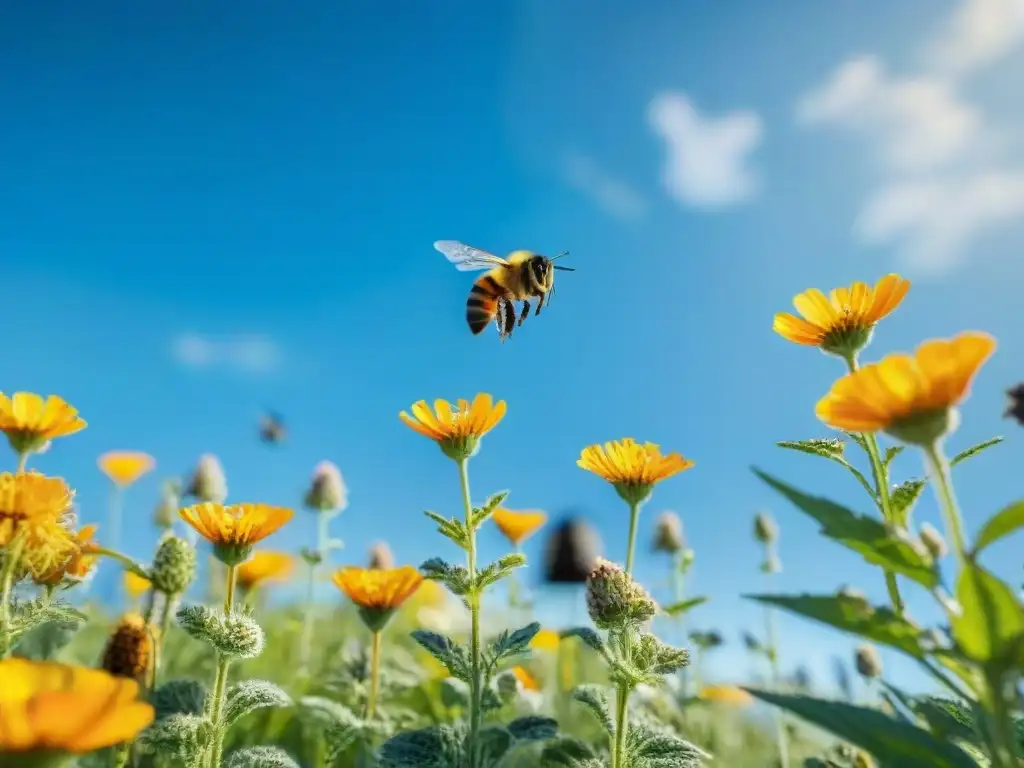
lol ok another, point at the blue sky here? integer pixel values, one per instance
(263, 185)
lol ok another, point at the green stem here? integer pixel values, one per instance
(781, 736)
(371, 703)
(634, 517)
(165, 622)
(939, 468)
(476, 683)
(323, 519)
(221, 681)
(623, 691)
(678, 595)
(126, 561)
(22, 461)
(1003, 748)
(6, 588)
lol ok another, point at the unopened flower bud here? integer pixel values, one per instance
(166, 510)
(236, 635)
(933, 541)
(208, 483)
(868, 662)
(668, 533)
(174, 566)
(614, 600)
(765, 530)
(508, 685)
(381, 557)
(327, 491)
(129, 650)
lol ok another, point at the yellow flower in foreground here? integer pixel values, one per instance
(125, 467)
(456, 430)
(29, 421)
(725, 694)
(517, 527)
(377, 592)
(81, 561)
(36, 510)
(263, 567)
(135, 585)
(525, 679)
(909, 396)
(842, 322)
(234, 529)
(546, 640)
(66, 709)
(633, 469)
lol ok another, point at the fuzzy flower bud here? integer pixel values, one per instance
(765, 530)
(508, 686)
(174, 566)
(933, 541)
(614, 600)
(327, 491)
(381, 558)
(129, 650)
(668, 534)
(208, 483)
(166, 510)
(236, 635)
(868, 662)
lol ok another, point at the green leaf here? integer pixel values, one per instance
(453, 529)
(864, 535)
(454, 692)
(948, 719)
(179, 697)
(499, 569)
(656, 659)
(588, 636)
(533, 728)
(856, 616)
(455, 577)
(678, 609)
(250, 695)
(436, 747)
(481, 515)
(893, 743)
(179, 737)
(445, 650)
(974, 450)
(834, 449)
(891, 453)
(596, 703)
(260, 757)
(902, 499)
(508, 644)
(568, 753)
(493, 741)
(646, 746)
(1001, 524)
(990, 627)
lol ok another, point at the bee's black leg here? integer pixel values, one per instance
(540, 304)
(524, 313)
(506, 319)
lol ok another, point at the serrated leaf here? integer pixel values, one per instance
(509, 644)
(891, 453)
(533, 728)
(493, 742)
(446, 651)
(450, 528)
(596, 702)
(856, 616)
(567, 753)
(260, 757)
(179, 697)
(481, 515)
(990, 628)
(328, 713)
(455, 577)
(436, 747)
(902, 499)
(454, 692)
(948, 719)
(250, 695)
(864, 535)
(498, 570)
(647, 747)
(678, 609)
(893, 743)
(974, 450)
(179, 737)
(833, 449)
(588, 636)
(1000, 525)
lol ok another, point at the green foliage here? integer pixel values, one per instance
(260, 757)
(498, 570)
(902, 499)
(509, 645)
(454, 657)
(1000, 525)
(441, 746)
(455, 577)
(482, 514)
(249, 695)
(990, 627)
(833, 449)
(451, 528)
(45, 640)
(179, 697)
(650, 748)
(683, 606)
(596, 703)
(569, 753)
(26, 616)
(974, 450)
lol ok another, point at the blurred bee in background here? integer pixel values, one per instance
(272, 429)
(523, 276)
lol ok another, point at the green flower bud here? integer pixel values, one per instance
(933, 541)
(327, 491)
(765, 530)
(174, 566)
(236, 635)
(868, 662)
(614, 600)
(668, 533)
(208, 483)
(508, 686)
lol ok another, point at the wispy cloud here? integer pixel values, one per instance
(610, 194)
(942, 172)
(706, 162)
(245, 353)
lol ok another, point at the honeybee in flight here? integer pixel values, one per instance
(523, 276)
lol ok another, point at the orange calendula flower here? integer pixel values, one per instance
(125, 467)
(377, 592)
(911, 397)
(725, 694)
(633, 469)
(81, 561)
(456, 430)
(517, 527)
(842, 322)
(525, 679)
(234, 529)
(135, 585)
(36, 511)
(67, 710)
(546, 640)
(264, 567)
(30, 422)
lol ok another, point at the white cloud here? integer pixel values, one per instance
(249, 353)
(942, 175)
(706, 163)
(612, 195)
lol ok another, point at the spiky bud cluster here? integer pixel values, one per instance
(236, 635)
(381, 557)
(174, 566)
(327, 491)
(668, 533)
(868, 662)
(765, 530)
(614, 600)
(129, 650)
(208, 482)
(933, 541)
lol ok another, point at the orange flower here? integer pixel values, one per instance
(81, 561)
(725, 694)
(29, 421)
(36, 510)
(263, 567)
(842, 323)
(377, 592)
(456, 430)
(633, 469)
(234, 529)
(518, 526)
(525, 679)
(66, 709)
(135, 585)
(125, 467)
(909, 396)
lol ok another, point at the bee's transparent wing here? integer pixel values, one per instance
(466, 258)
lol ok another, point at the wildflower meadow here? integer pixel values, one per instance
(203, 676)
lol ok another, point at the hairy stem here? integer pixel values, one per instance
(678, 595)
(220, 683)
(306, 643)
(476, 672)
(11, 558)
(939, 469)
(22, 461)
(371, 702)
(1004, 751)
(782, 739)
(623, 691)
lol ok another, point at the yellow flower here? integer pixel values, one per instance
(842, 322)
(525, 679)
(263, 567)
(546, 640)
(633, 469)
(81, 561)
(36, 509)
(234, 529)
(430, 595)
(135, 585)
(909, 396)
(456, 430)
(725, 694)
(29, 421)
(66, 709)
(518, 526)
(377, 592)
(125, 467)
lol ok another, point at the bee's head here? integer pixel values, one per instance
(540, 268)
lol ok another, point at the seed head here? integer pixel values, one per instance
(868, 662)
(668, 533)
(174, 566)
(208, 482)
(765, 530)
(381, 558)
(129, 650)
(933, 541)
(614, 600)
(327, 491)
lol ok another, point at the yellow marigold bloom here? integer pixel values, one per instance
(725, 694)
(29, 421)
(911, 397)
(125, 467)
(46, 706)
(135, 585)
(517, 527)
(377, 592)
(456, 430)
(263, 567)
(633, 469)
(81, 561)
(36, 510)
(546, 640)
(234, 529)
(430, 594)
(525, 679)
(842, 322)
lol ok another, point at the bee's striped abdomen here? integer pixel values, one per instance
(482, 304)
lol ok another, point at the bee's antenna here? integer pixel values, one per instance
(565, 269)
(561, 268)
(556, 258)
